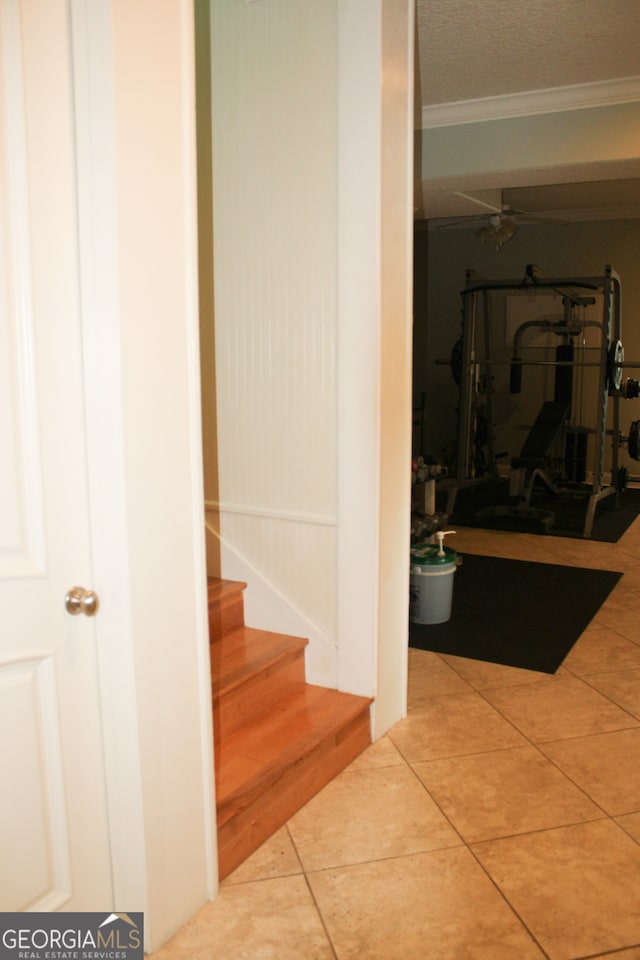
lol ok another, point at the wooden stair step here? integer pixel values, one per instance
(267, 771)
(250, 671)
(226, 606)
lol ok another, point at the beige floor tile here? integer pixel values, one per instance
(632, 954)
(452, 726)
(557, 707)
(601, 650)
(579, 553)
(429, 676)
(630, 823)
(606, 766)
(626, 561)
(630, 539)
(623, 687)
(275, 858)
(369, 815)
(432, 906)
(620, 610)
(382, 753)
(571, 886)
(501, 543)
(470, 540)
(504, 793)
(624, 557)
(271, 919)
(486, 676)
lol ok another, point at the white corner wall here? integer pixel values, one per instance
(312, 164)
(375, 351)
(396, 358)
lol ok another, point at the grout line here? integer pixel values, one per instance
(321, 917)
(509, 904)
(609, 953)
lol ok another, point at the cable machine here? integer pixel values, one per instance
(554, 452)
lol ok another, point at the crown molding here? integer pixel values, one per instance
(530, 102)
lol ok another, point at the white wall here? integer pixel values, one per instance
(274, 161)
(305, 293)
(569, 139)
(396, 360)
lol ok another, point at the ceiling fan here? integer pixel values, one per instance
(499, 223)
(499, 228)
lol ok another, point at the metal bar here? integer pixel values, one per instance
(590, 515)
(488, 350)
(524, 286)
(617, 336)
(466, 387)
(601, 423)
(634, 364)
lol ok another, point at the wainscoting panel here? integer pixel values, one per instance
(289, 564)
(274, 130)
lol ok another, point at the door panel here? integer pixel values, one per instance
(32, 764)
(53, 829)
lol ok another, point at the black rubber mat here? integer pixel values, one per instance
(516, 612)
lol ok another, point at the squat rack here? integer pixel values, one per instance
(477, 358)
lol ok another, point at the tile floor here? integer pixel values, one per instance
(499, 821)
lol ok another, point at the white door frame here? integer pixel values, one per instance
(139, 286)
(95, 147)
(375, 230)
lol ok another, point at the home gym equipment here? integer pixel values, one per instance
(560, 451)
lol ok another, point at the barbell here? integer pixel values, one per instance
(615, 364)
(629, 388)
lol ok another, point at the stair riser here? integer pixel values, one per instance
(225, 617)
(257, 695)
(266, 813)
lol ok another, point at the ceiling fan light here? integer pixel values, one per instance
(497, 231)
(506, 230)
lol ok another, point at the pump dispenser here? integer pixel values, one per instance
(441, 534)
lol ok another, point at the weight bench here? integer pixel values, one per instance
(535, 459)
(537, 451)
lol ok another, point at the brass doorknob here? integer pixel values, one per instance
(78, 600)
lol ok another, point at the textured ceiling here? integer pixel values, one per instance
(471, 49)
(484, 48)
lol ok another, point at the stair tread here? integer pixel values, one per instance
(249, 760)
(278, 740)
(220, 590)
(247, 651)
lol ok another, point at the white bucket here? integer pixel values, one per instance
(431, 589)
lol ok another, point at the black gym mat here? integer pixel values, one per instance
(516, 612)
(473, 509)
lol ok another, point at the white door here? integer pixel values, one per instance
(53, 826)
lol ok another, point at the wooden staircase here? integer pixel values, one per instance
(278, 739)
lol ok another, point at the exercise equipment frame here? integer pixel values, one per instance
(610, 366)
